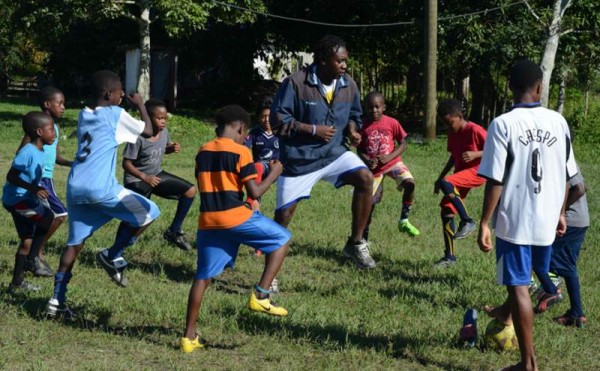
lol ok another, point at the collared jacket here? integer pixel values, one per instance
(301, 99)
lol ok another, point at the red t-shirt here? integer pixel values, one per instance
(379, 138)
(469, 138)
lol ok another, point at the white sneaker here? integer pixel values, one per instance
(359, 253)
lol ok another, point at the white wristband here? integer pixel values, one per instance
(314, 130)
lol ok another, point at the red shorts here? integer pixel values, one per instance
(463, 181)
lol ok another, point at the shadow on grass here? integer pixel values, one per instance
(313, 250)
(393, 345)
(10, 118)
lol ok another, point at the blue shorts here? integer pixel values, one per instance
(26, 215)
(125, 205)
(218, 248)
(55, 204)
(514, 262)
(565, 252)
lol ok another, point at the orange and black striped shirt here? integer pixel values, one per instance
(222, 167)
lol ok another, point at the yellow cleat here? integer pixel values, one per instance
(187, 346)
(266, 306)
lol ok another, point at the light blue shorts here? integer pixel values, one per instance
(218, 248)
(126, 205)
(514, 262)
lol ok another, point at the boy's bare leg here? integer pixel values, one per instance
(522, 313)
(283, 217)
(68, 257)
(362, 200)
(194, 301)
(53, 227)
(273, 262)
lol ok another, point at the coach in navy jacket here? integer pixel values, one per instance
(317, 113)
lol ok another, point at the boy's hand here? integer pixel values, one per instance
(174, 147)
(371, 163)
(468, 156)
(384, 159)
(561, 228)
(152, 181)
(354, 137)
(41, 193)
(324, 132)
(484, 238)
(436, 186)
(135, 99)
(276, 167)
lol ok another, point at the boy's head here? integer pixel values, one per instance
(52, 101)
(232, 121)
(450, 113)
(526, 77)
(375, 104)
(39, 125)
(157, 110)
(108, 89)
(262, 114)
(330, 54)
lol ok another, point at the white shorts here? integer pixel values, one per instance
(293, 189)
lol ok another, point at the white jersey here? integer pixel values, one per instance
(529, 151)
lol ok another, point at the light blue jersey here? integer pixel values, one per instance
(29, 161)
(50, 156)
(99, 132)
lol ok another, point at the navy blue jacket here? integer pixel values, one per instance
(301, 99)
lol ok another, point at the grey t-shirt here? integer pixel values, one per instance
(577, 215)
(146, 155)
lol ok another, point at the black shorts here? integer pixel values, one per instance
(170, 186)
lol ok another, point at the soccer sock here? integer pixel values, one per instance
(406, 207)
(36, 243)
(123, 239)
(448, 224)
(183, 206)
(574, 296)
(546, 282)
(456, 201)
(19, 271)
(61, 280)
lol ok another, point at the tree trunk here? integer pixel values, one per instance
(143, 87)
(430, 69)
(561, 92)
(551, 47)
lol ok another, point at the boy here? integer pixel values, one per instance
(52, 103)
(565, 253)
(527, 160)
(465, 144)
(93, 195)
(224, 168)
(143, 173)
(24, 198)
(377, 150)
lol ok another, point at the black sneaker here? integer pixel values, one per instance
(115, 268)
(178, 239)
(40, 268)
(465, 228)
(23, 286)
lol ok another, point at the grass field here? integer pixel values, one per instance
(403, 315)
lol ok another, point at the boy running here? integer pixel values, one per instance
(465, 144)
(224, 168)
(52, 103)
(93, 195)
(527, 161)
(142, 162)
(25, 199)
(377, 149)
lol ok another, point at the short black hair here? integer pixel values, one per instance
(104, 81)
(152, 103)
(450, 107)
(328, 46)
(374, 94)
(229, 114)
(33, 121)
(524, 75)
(46, 94)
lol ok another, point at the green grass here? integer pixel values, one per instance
(402, 315)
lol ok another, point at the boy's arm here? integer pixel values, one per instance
(151, 180)
(491, 196)
(136, 100)
(61, 160)
(370, 162)
(445, 170)
(24, 141)
(575, 193)
(172, 147)
(255, 190)
(13, 178)
(469, 156)
(399, 150)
